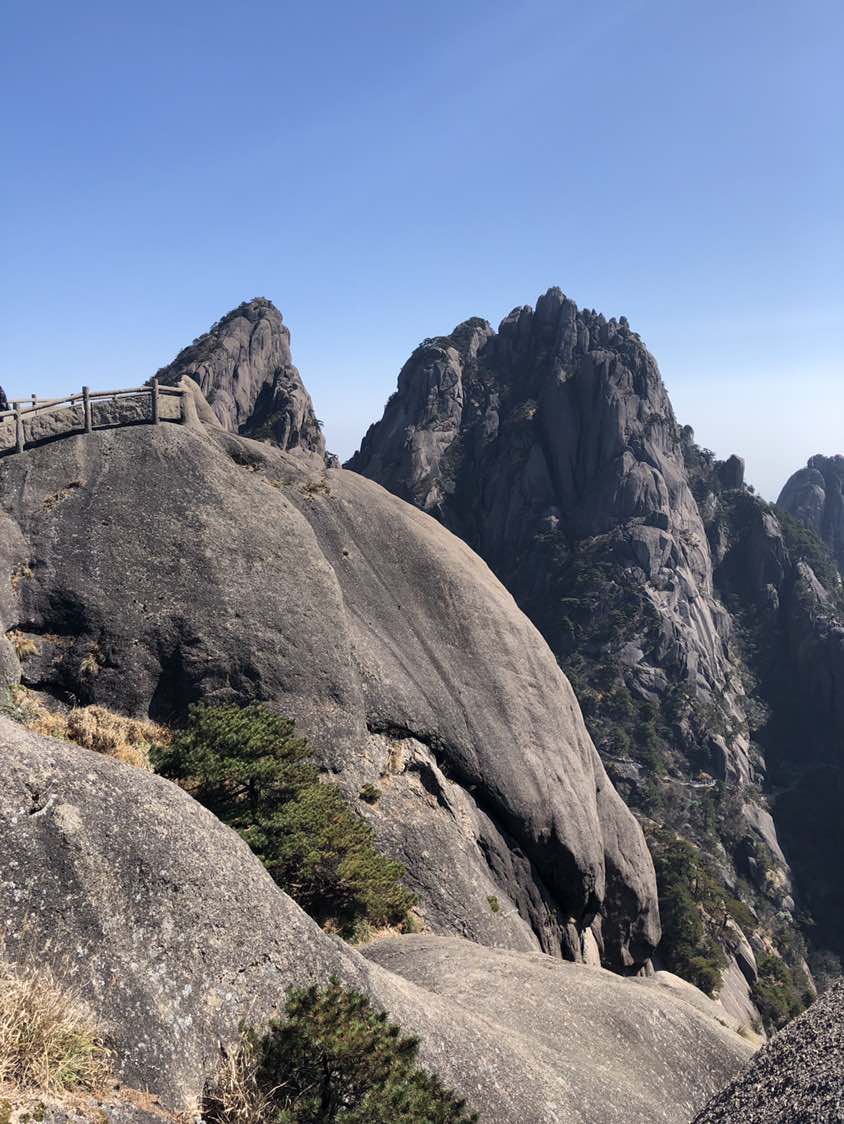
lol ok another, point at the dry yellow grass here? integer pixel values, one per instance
(127, 739)
(50, 1040)
(235, 1096)
(24, 646)
(93, 727)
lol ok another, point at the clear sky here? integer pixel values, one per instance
(384, 170)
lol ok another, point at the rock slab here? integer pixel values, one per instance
(176, 934)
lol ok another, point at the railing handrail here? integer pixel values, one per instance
(86, 397)
(38, 404)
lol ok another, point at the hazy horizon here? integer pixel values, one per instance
(418, 166)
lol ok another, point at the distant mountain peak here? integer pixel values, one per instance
(815, 496)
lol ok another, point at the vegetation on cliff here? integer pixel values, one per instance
(249, 768)
(332, 1057)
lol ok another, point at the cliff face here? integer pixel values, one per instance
(551, 447)
(157, 565)
(244, 368)
(787, 599)
(814, 495)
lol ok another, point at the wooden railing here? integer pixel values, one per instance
(88, 397)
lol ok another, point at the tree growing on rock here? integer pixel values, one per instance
(248, 767)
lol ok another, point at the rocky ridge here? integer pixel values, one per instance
(563, 416)
(551, 447)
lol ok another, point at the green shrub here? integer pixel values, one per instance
(780, 992)
(332, 1058)
(689, 900)
(741, 914)
(371, 793)
(494, 904)
(249, 768)
(804, 545)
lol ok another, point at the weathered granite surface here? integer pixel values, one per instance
(797, 1078)
(175, 934)
(153, 566)
(623, 1050)
(244, 368)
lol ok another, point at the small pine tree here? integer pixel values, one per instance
(333, 1057)
(249, 768)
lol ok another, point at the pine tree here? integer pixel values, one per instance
(333, 1057)
(249, 768)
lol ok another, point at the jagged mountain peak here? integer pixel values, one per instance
(554, 452)
(542, 366)
(244, 367)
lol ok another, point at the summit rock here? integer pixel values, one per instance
(244, 368)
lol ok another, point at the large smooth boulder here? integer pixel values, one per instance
(623, 1050)
(156, 565)
(176, 934)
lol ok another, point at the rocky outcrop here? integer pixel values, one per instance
(119, 1105)
(157, 565)
(798, 1076)
(550, 446)
(244, 368)
(673, 1052)
(175, 934)
(815, 496)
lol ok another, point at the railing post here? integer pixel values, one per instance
(18, 427)
(86, 409)
(183, 406)
(156, 414)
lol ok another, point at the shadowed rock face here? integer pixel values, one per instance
(159, 565)
(796, 630)
(815, 496)
(175, 934)
(244, 368)
(551, 437)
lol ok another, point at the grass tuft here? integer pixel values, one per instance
(236, 1096)
(93, 727)
(24, 646)
(50, 1040)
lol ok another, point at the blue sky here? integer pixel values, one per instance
(384, 170)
